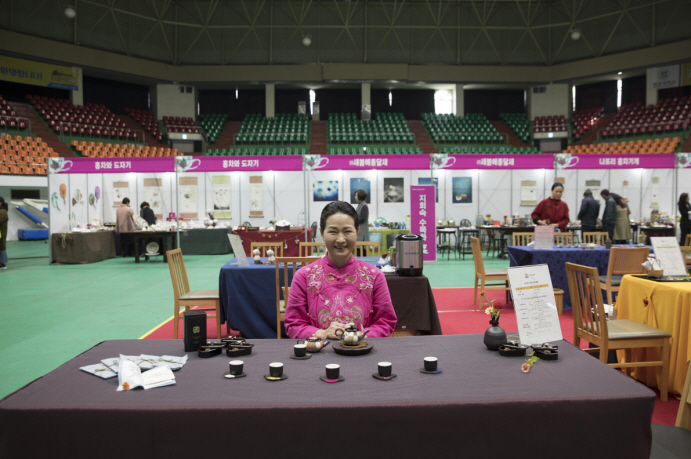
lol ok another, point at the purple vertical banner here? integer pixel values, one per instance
(422, 219)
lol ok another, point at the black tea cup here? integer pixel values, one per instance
(384, 369)
(332, 371)
(235, 367)
(430, 363)
(276, 369)
(300, 350)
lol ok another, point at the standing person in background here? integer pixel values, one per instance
(124, 223)
(552, 211)
(147, 213)
(4, 218)
(590, 209)
(622, 227)
(684, 223)
(609, 216)
(363, 217)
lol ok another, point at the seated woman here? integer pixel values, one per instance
(338, 289)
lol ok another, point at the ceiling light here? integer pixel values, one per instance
(307, 40)
(619, 73)
(70, 12)
(575, 34)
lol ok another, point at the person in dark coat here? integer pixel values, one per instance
(684, 223)
(590, 209)
(3, 232)
(147, 213)
(609, 216)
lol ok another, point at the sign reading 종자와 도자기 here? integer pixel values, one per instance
(39, 74)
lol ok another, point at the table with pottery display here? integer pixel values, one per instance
(248, 299)
(83, 247)
(656, 231)
(205, 241)
(453, 412)
(289, 239)
(152, 236)
(505, 231)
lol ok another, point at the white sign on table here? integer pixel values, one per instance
(668, 252)
(535, 305)
(544, 238)
(238, 250)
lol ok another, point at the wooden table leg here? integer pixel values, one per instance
(164, 241)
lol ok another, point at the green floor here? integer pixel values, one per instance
(49, 313)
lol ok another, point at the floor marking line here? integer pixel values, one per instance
(156, 327)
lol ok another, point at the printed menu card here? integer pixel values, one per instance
(668, 252)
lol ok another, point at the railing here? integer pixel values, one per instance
(19, 118)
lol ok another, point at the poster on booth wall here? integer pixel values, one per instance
(153, 194)
(461, 190)
(429, 181)
(325, 190)
(221, 184)
(528, 192)
(187, 198)
(257, 196)
(121, 190)
(393, 190)
(363, 184)
(423, 219)
(655, 193)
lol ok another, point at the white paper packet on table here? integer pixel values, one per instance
(171, 361)
(130, 376)
(99, 370)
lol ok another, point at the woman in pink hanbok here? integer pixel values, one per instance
(338, 289)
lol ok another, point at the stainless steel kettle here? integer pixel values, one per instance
(409, 255)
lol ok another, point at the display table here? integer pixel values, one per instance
(669, 309)
(556, 259)
(83, 247)
(656, 231)
(207, 241)
(248, 299)
(460, 412)
(147, 236)
(291, 238)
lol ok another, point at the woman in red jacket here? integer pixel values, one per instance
(552, 211)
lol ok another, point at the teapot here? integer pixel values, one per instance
(351, 336)
(313, 343)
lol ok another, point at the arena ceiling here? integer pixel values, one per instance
(415, 32)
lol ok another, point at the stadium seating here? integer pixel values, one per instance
(659, 145)
(519, 124)
(213, 125)
(180, 125)
(146, 119)
(490, 150)
(24, 155)
(583, 119)
(556, 123)
(91, 119)
(116, 150)
(8, 117)
(257, 151)
(450, 129)
(284, 128)
(672, 114)
(386, 128)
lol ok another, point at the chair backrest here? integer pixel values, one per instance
(477, 256)
(627, 260)
(307, 249)
(686, 254)
(688, 240)
(598, 238)
(586, 301)
(523, 238)
(563, 238)
(368, 248)
(684, 413)
(287, 262)
(178, 274)
(277, 247)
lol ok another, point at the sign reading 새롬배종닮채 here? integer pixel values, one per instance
(422, 219)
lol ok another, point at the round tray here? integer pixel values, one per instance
(347, 350)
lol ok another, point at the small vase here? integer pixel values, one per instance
(495, 336)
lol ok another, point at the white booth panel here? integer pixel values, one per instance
(60, 216)
(495, 192)
(632, 191)
(519, 175)
(93, 181)
(665, 190)
(267, 196)
(290, 196)
(110, 197)
(462, 211)
(684, 186)
(571, 196)
(78, 198)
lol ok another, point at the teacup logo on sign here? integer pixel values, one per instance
(441, 161)
(684, 160)
(565, 160)
(312, 162)
(186, 163)
(56, 165)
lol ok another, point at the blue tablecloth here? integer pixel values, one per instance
(248, 297)
(556, 259)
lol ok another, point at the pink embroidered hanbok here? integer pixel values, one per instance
(321, 293)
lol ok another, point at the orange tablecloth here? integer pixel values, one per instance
(669, 309)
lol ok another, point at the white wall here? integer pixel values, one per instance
(554, 101)
(169, 101)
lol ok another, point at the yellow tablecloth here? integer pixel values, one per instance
(669, 309)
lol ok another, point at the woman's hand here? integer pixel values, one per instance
(542, 222)
(330, 333)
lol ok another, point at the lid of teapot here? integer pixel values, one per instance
(351, 327)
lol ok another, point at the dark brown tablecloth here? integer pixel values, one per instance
(480, 406)
(83, 247)
(413, 301)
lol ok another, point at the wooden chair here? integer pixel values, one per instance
(563, 238)
(686, 254)
(277, 247)
(523, 238)
(622, 260)
(675, 441)
(186, 298)
(307, 249)
(688, 240)
(295, 263)
(590, 324)
(367, 249)
(490, 275)
(598, 238)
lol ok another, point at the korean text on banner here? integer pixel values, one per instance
(39, 74)
(423, 220)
